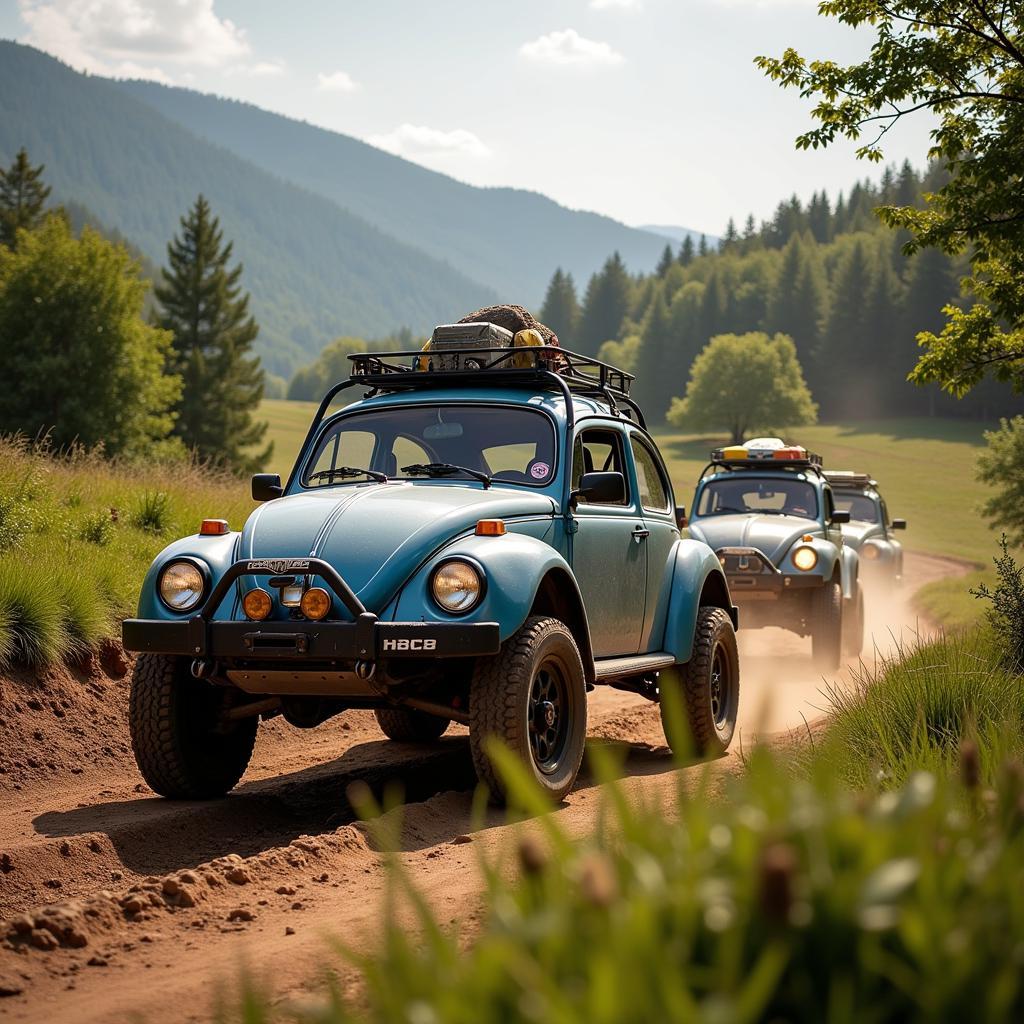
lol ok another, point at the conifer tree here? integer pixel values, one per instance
(22, 198)
(605, 306)
(686, 251)
(654, 386)
(665, 262)
(702, 247)
(561, 309)
(203, 306)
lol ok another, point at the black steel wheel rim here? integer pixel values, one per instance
(550, 715)
(721, 687)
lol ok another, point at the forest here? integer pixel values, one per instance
(827, 272)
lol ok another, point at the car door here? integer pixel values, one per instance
(609, 554)
(654, 493)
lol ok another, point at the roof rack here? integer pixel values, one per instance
(546, 366)
(848, 478)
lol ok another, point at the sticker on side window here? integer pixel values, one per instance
(539, 470)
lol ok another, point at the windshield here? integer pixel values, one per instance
(860, 506)
(513, 445)
(764, 495)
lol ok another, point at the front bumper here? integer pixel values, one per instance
(752, 576)
(367, 639)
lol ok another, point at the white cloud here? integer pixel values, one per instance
(336, 81)
(137, 38)
(423, 144)
(625, 5)
(569, 48)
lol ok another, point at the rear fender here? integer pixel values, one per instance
(525, 576)
(697, 579)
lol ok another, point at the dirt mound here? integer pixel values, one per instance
(65, 721)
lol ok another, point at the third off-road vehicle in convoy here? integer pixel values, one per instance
(870, 530)
(484, 537)
(768, 512)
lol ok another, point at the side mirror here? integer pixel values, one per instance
(600, 488)
(681, 521)
(898, 524)
(840, 517)
(266, 487)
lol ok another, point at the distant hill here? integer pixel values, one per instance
(509, 239)
(678, 234)
(315, 270)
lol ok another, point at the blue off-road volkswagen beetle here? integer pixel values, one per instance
(481, 538)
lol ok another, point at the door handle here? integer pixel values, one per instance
(640, 533)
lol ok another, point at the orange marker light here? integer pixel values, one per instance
(490, 528)
(257, 604)
(315, 603)
(214, 527)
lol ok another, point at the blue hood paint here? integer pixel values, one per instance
(377, 535)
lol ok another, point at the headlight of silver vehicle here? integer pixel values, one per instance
(871, 552)
(457, 586)
(805, 558)
(181, 586)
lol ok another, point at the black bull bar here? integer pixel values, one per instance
(366, 638)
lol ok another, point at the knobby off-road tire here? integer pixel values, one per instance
(182, 746)
(700, 700)
(853, 626)
(827, 626)
(532, 697)
(406, 725)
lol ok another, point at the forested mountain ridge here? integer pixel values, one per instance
(826, 272)
(314, 270)
(507, 238)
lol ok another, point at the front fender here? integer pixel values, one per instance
(514, 564)
(851, 571)
(695, 569)
(217, 552)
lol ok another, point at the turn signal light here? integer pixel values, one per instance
(490, 528)
(214, 527)
(315, 603)
(257, 604)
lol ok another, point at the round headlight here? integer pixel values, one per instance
(870, 552)
(457, 586)
(805, 558)
(181, 586)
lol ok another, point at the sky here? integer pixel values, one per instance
(650, 111)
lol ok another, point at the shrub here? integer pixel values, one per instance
(85, 611)
(96, 528)
(153, 511)
(790, 900)
(1005, 613)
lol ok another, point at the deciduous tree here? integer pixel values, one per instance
(744, 383)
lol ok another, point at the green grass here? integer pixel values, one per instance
(85, 531)
(289, 422)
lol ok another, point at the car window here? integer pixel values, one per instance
(651, 482)
(515, 445)
(860, 506)
(599, 451)
(767, 495)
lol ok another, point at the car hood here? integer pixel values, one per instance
(771, 535)
(376, 536)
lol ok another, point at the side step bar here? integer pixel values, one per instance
(633, 665)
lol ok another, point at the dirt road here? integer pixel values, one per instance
(151, 906)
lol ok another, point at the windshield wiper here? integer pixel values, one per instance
(725, 510)
(445, 469)
(345, 472)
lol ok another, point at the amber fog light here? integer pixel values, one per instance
(315, 603)
(257, 604)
